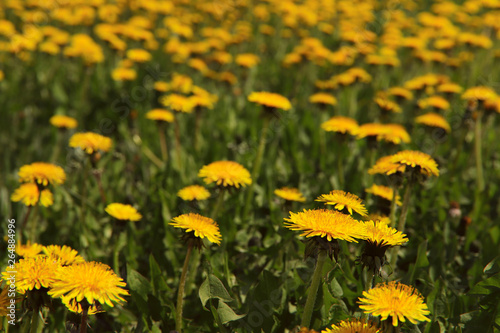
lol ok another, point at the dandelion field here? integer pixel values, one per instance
(250, 166)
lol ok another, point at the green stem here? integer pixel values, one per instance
(85, 316)
(178, 145)
(84, 203)
(197, 129)
(163, 142)
(402, 219)
(313, 290)
(257, 163)
(340, 170)
(25, 221)
(34, 223)
(218, 203)
(392, 216)
(180, 295)
(216, 316)
(370, 278)
(35, 321)
(98, 176)
(478, 152)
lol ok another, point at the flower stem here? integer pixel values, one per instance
(218, 204)
(197, 129)
(402, 219)
(25, 221)
(313, 290)
(257, 163)
(34, 224)
(178, 144)
(98, 176)
(478, 152)
(180, 295)
(392, 215)
(85, 316)
(163, 142)
(35, 321)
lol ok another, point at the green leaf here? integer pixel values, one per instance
(138, 283)
(212, 287)
(487, 286)
(158, 283)
(336, 289)
(227, 314)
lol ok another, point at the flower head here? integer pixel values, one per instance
(63, 121)
(290, 194)
(341, 124)
(74, 306)
(33, 273)
(323, 98)
(42, 173)
(30, 195)
(383, 192)
(90, 142)
(123, 212)
(353, 326)
(325, 223)
(433, 120)
(480, 93)
(63, 255)
(160, 115)
(382, 234)
(123, 74)
(340, 200)
(247, 60)
(193, 192)
(407, 160)
(29, 250)
(94, 281)
(201, 226)
(397, 300)
(270, 100)
(225, 173)
(178, 103)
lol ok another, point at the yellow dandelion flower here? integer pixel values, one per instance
(64, 255)
(94, 281)
(400, 92)
(323, 98)
(5, 300)
(193, 192)
(480, 93)
(406, 160)
(177, 103)
(341, 124)
(325, 223)
(370, 130)
(394, 133)
(247, 60)
(353, 326)
(63, 121)
(225, 173)
(123, 212)
(387, 105)
(74, 306)
(289, 193)
(436, 102)
(90, 142)
(161, 86)
(270, 100)
(123, 74)
(449, 88)
(381, 234)
(201, 226)
(139, 55)
(397, 300)
(42, 173)
(30, 195)
(160, 115)
(433, 120)
(29, 250)
(340, 200)
(383, 192)
(33, 273)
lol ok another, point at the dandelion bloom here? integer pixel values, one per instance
(325, 223)
(270, 100)
(323, 98)
(340, 200)
(63, 121)
(397, 300)
(138, 55)
(291, 194)
(160, 115)
(395, 134)
(42, 173)
(341, 124)
(93, 281)
(74, 306)
(450, 88)
(123, 74)
(407, 160)
(480, 93)
(193, 192)
(247, 60)
(433, 120)
(382, 234)
(64, 255)
(90, 142)
(28, 250)
(353, 325)
(5, 300)
(123, 212)
(177, 103)
(400, 92)
(383, 192)
(225, 173)
(387, 105)
(30, 195)
(33, 273)
(201, 226)
(437, 102)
